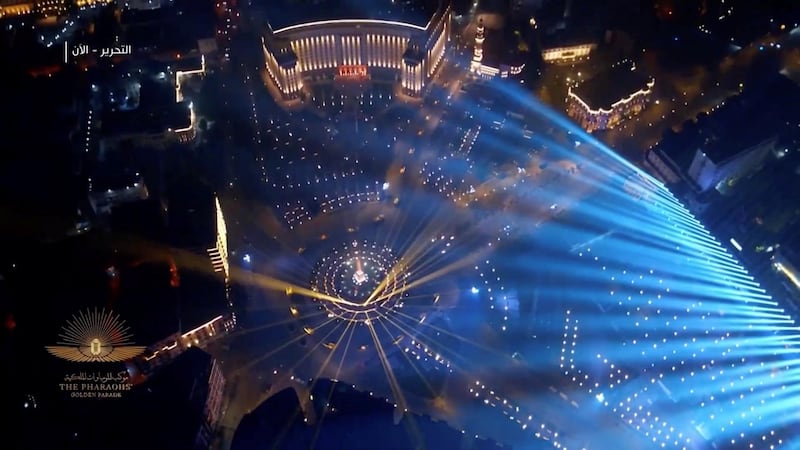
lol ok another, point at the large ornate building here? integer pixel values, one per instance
(325, 42)
(43, 8)
(606, 100)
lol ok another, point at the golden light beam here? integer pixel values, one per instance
(395, 229)
(465, 261)
(411, 426)
(317, 345)
(419, 296)
(318, 428)
(410, 362)
(414, 236)
(241, 332)
(148, 251)
(264, 219)
(426, 260)
(421, 337)
(279, 348)
(426, 246)
(344, 353)
(413, 251)
(393, 384)
(152, 252)
(274, 284)
(417, 339)
(451, 334)
(299, 409)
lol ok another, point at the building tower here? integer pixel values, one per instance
(477, 52)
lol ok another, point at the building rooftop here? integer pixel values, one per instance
(610, 86)
(175, 28)
(764, 207)
(172, 295)
(274, 420)
(148, 121)
(192, 214)
(722, 138)
(284, 13)
(127, 218)
(503, 47)
(566, 37)
(761, 111)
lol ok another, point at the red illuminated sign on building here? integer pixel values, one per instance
(355, 71)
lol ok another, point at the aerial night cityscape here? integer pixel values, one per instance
(400, 224)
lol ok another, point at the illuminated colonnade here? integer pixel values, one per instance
(219, 253)
(406, 53)
(568, 54)
(599, 118)
(45, 8)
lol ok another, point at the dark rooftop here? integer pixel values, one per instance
(761, 112)
(192, 214)
(739, 132)
(361, 422)
(155, 120)
(177, 27)
(565, 37)
(284, 13)
(503, 47)
(610, 86)
(764, 206)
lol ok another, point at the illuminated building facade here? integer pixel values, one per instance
(44, 8)
(169, 348)
(176, 123)
(51, 8)
(387, 50)
(214, 406)
(709, 170)
(568, 54)
(157, 128)
(489, 67)
(103, 199)
(219, 253)
(90, 3)
(718, 150)
(144, 4)
(477, 50)
(12, 8)
(567, 43)
(608, 99)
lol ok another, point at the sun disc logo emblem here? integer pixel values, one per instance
(95, 336)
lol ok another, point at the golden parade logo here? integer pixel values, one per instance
(95, 336)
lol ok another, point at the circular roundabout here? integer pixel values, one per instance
(359, 281)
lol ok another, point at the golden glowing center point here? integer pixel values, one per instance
(95, 347)
(359, 276)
